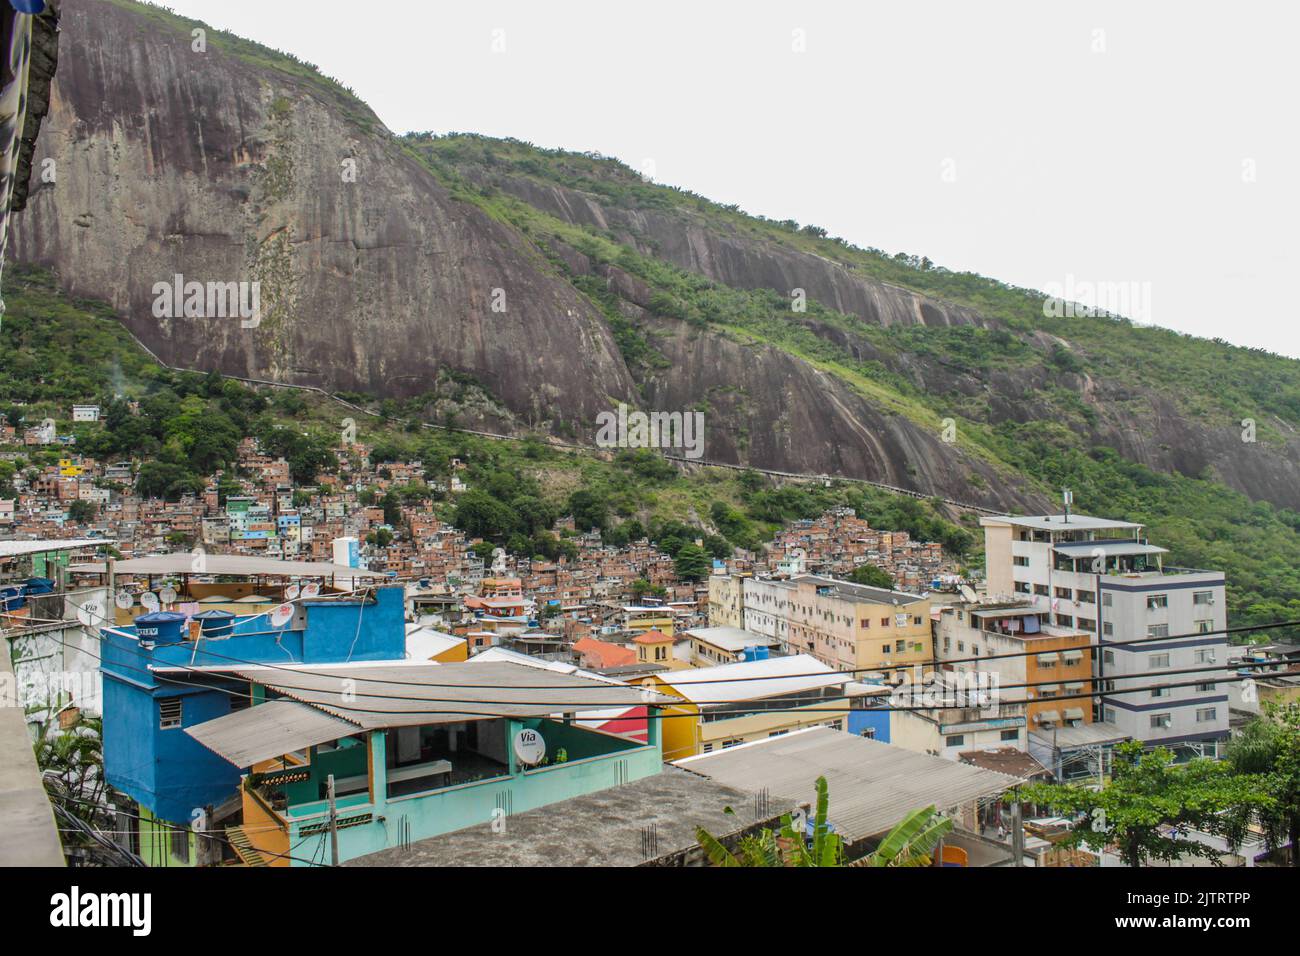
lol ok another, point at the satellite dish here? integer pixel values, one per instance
(530, 748)
(291, 592)
(149, 600)
(310, 590)
(123, 600)
(90, 613)
(167, 595)
(281, 615)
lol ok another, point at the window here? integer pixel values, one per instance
(1010, 735)
(1158, 630)
(1205, 714)
(1202, 597)
(1157, 601)
(900, 646)
(869, 733)
(1205, 655)
(1158, 660)
(1161, 721)
(1204, 627)
(1086, 624)
(1020, 561)
(884, 622)
(1105, 600)
(955, 740)
(1108, 657)
(865, 622)
(169, 713)
(180, 842)
(1086, 597)
(884, 649)
(1040, 589)
(1064, 620)
(1159, 692)
(1022, 587)
(1064, 593)
(1108, 714)
(1205, 688)
(1108, 629)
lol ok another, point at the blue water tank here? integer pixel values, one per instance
(12, 599)
(761, 653)
(37, 586)
(159, 627)
(215, 622)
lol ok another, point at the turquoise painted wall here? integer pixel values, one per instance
(471, 804)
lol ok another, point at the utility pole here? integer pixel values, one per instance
(334, 821)
(1017, 832)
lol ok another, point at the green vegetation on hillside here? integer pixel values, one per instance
(59, 352)
(1203, 523)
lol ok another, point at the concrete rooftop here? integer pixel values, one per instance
(604, 828)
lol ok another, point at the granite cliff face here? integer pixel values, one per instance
(378, 275)
(200, 163)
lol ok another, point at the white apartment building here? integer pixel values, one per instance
(1104, 578)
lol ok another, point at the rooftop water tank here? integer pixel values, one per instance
(11, 598)
(159, 627)
(215, 622)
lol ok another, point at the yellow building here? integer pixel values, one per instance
(856, 627)
(737, 703)
(727, 600)
(648, 619)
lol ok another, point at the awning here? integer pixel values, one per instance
(1074, 688)
(268, 730)
(1050, 657)
(1048, 716)
(1072, 657)
(1074, 713)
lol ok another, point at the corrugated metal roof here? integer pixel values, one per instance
(413, 694)
(236, 564)
(268, 730)
(872, 785)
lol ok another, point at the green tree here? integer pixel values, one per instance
(1269, 746)
(871, 575)
(692, 563)
(784, 847)
(913, 839)
(479, 515)
(1151, 805)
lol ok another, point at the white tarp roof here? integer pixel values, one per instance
(13, 549)
(752, 680)
(238, 565)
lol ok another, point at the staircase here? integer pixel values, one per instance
(244, 848)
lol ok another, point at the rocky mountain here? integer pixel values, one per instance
(561, 284)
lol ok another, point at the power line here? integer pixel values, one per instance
(559, 705)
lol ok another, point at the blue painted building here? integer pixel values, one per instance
(157, 682)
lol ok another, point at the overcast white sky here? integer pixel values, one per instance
(1043, 144)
